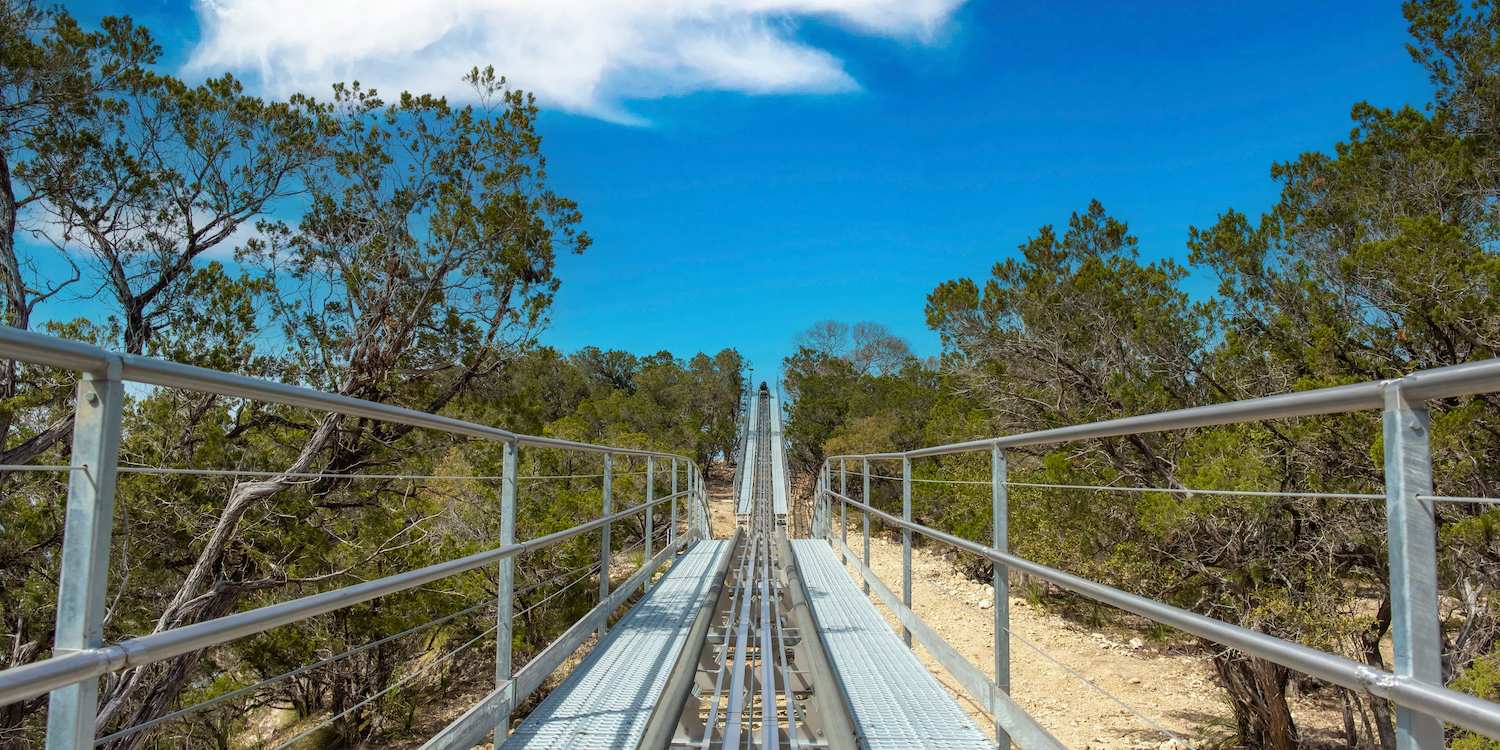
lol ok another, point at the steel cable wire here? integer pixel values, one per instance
(1178, 490)
(588, 571)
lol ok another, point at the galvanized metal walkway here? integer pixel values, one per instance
(750, 449)
(763, 458)
(893, 700)
(608, 699)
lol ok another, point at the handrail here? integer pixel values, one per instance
(41, 349)
(80, 656)
(1416, 684)
(1443, 382)
(38, 677)
(1449, 705)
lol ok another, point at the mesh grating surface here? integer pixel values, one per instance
(608, 698)
(894, 701)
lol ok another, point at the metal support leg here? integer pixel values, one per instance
(650, 511)
(1413, 561)
(843, 506)
(604, 552)
(672, 527)
(906, 543)
(1000, 577)
(85, 554)
(865, 496)
(505, 585)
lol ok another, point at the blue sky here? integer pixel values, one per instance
(881, 155)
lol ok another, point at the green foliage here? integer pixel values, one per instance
(1481, 678)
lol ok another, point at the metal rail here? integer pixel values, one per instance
(1415, 686)
(80, 654)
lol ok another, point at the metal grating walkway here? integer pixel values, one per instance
(608, 698)
(893, 700)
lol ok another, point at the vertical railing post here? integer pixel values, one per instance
(694, 523)
(693, 510)
(89, 522)
(865, 496)
(906, 542)
(505, 585)
(827, 499)
(843, 506)
(1000, 577)
(1412, 542)
(650, 511)
(823, 500)
(607, 503)
(703, 513)
(672, 528)
(814, 507)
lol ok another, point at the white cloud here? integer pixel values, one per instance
(585, 56)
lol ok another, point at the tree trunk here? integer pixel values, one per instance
(1257, 694)
(1369, 642)
(146, 692)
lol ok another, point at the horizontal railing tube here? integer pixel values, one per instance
(1451, 706)
(1444, 382)
(31, 680)
(41, 349)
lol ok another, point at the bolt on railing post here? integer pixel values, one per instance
(906, 543)
(843, 506)
(607, 503)
(865, 497)
(1412, 542)
(672, 524)
(650, 512)
(84, 576)
(1000, 577)
(505, 584)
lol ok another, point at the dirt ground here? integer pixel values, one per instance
(720, 500)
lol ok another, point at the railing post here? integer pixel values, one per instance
(693, 511)
(906, 542)
(1000, 577)
(692, 489)
(827, 499)
(84, 574)
(650, 511)
(703, 512)
(672, 527)
(843, 506)
(815, 507)
(505, 584)
(823, 500)
(865, 496)
(1412, 542)
(607, 503)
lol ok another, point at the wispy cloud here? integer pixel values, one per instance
(586, 56)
